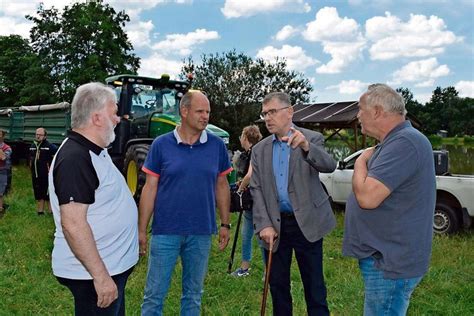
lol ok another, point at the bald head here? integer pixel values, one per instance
(193, 95)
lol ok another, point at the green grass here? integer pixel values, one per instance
(27, 286)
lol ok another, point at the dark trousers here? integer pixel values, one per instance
(85, 296)
(309, 257)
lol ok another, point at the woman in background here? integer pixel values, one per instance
(250, 136)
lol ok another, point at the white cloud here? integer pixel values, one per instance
(21, 8)
(156, 65)
(296, 58)
(239, 8)
(15, 26)
(13, 20)
(286, 32)
(183, 43)
(342, 55)
(340, 38)
(134, 7)
(422, 97)
(13, 13)
(422, 72)
(328, 26)
(139, 33)
(419, 37)
(465, 88)
(350, 87)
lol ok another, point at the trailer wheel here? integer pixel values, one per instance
(134, 159)
(446, 220)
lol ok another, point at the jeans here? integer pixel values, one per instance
(247, 235)
(309, 256)
(164, 252)
(85, 296)
(385, 296)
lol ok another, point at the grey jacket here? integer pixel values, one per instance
(310, 202)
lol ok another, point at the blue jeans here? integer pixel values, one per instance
(247, 235)
(385, 296)
(164, 252)
(85, 296)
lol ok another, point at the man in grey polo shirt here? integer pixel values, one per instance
(389, 216)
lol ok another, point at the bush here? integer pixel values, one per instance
(468, 139)
(435, 140)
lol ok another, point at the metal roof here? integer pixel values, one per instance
(333, 115)
(340, 113)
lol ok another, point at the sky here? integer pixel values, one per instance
(340, 46)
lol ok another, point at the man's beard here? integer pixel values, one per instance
(110, 137)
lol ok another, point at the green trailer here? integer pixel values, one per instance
(21, 124)
(147, 107)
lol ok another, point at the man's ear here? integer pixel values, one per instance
(96, 119)
(378, 111)
(183, 111)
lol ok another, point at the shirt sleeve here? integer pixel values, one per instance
(393, 165)
(224, 161)
(152, 163)
(75, 179)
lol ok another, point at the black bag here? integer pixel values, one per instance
(240, 201)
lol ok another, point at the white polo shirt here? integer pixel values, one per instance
(84, 173)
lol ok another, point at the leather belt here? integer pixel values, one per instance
(287, 214)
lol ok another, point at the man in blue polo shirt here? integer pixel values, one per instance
(186, 177)
(389, 216)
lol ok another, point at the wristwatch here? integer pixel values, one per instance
(225, 225)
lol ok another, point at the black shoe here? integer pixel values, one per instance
(40, 213)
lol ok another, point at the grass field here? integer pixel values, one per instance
(27, 286)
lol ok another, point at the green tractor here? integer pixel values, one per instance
(149, 107)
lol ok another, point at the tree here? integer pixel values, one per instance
(16, 59)
(236, 85)
(85, 43)
(414, 107)
(447, 111)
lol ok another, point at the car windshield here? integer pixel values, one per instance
(146, 99)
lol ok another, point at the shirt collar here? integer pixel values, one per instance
(202, 138)
(397, 128)
(275, 139)
(96, 149)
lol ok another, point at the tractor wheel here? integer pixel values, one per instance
(134, 159)
(446, 220)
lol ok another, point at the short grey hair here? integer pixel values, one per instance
(187, 99)
(383, 95)
(283, 97)
(89, 98)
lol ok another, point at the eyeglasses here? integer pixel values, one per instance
(39, 134)
(272, 112)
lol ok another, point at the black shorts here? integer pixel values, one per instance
(40, 188)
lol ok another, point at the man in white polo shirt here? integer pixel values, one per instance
(96, 238)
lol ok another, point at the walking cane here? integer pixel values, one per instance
(231, 259)
(267, 280)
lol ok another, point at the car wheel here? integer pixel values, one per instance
(446, 221)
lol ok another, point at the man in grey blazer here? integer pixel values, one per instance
(291, 211)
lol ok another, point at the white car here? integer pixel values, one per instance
(454, 195)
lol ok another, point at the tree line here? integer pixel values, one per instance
(86, 42)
